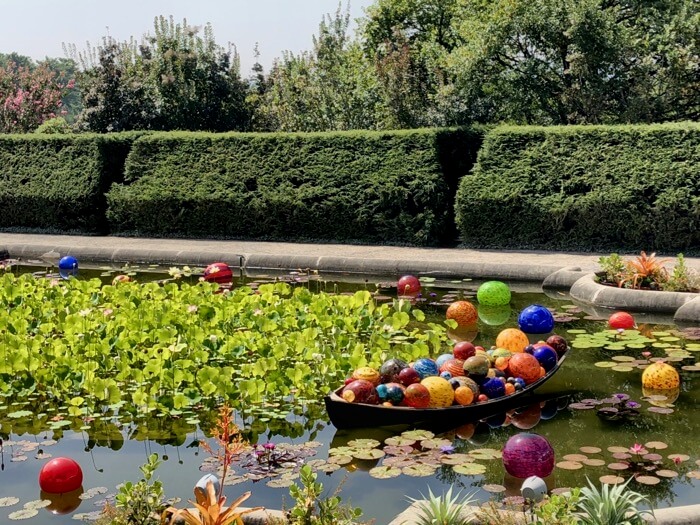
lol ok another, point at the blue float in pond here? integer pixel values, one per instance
(536, 319)
(68, 267)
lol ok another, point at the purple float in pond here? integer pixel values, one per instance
(528, 454)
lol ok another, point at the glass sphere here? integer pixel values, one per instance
(528, 454)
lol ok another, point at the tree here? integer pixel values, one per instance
(332, 87)
(177, 78)
(29, 96)
(578, 61)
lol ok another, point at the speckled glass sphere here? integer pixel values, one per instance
(528, 454)
(493, 293)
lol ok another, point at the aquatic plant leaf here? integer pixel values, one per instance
(678, 457)
(384, 472)
(647, 480)
(363, 443)
(37, 504)
(8, 501)
(592, 462)
(569, 465)
(470, 469)
(618, 466)
(418, 470)
(494, 488)
(417, 435)
(590, 450)
(665, 473)
(23, 514)
(611, 480)
(399, 441)
(656, 445)
(368, 454)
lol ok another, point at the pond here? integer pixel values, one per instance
(41, 417)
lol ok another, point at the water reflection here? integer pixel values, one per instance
(62, 503)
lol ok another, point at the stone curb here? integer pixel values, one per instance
(588, 291)
(685, 515)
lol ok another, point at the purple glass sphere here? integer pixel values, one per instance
(527, 454)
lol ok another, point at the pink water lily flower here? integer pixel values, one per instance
(637, 449)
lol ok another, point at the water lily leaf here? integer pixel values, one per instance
(605, 364)
(575, 457)
(37, 504)
(339, 460)
(398, 451)
(368, 453)
(384, 472)
(23, 514)
(315, 463)
(590, 450)
(341, 451)
(665, 473)
(615, 449)
(618, 466)
(486, 453)
(20, 413)
(399, 441)
(494, 488)
(656, 445)
(280, 483)
(693, 474)
(647, 480)
(419, 470)
(569, 465)
(581, 406)
(470, 469)
(622, 358)
(18, 459)
(399, 461)
(417, 435)
(8, 501)
(611, 480)
(678, 457)
(364, 443)
(456, 459)
(653, 457)
(592, 462)
(435, 443)
(661, 410)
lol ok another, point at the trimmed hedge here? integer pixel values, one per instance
(57, 182)
(585, 188)
(394, 187)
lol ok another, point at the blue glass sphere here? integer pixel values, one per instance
(68, 267)
(426, 367)
(536, 319)
(382, 392)
(494, 387)
(547, 357)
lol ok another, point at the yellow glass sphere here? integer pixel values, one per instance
(660, 376)
(512, 339)
(441, 393)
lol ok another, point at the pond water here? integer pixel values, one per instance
(110, 448)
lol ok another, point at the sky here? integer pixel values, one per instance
(38, 28)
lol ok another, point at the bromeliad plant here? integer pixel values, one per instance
(648, 272)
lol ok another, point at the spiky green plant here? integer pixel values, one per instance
(444, 509)
(611, 504)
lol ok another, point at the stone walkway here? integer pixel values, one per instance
(388, 260)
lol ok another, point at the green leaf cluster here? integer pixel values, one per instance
(584, 188)
(152, 349)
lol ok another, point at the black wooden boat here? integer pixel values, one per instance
(358, 415)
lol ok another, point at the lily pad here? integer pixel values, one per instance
(570, 465)
(280, 483)
(592, 462)
(618, 466)
(611, 479)
(8, 501)
(456, 459)
(575, 457)
(435, 443)
(605, 364)
(37, 504)
(486, 453)
(23, 514)
(384, 472)
(614, 449)
(417, 435)
(339, 460)
(590, 450)
(398, 451)
(363, 443)
(494, 488)
(399, 441)
(418, 470)
(470, 469)
(368, 453)
(678, 457)
(656, 445)
(693, 474)
(665, 473)
(647, 480)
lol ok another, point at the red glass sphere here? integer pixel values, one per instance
(218, 273)
(417, 396)
(621, 320)
(60, 475)
(408, 285)
(463, 350)
(527, 454)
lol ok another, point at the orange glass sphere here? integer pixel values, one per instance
(525, 366)
(463, 312)
(464, 395)
(512, 339)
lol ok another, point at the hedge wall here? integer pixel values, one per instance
(393, 187)
(58, 182)
(585, 188)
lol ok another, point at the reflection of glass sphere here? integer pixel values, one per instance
(481, 435)
(62, 503)
(494, 315)
(68, 267)
(536, 319)
(493, 293)
(527, 454)
(549, 410)
(526, 418)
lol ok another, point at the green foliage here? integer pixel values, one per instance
(139, 503)
(332, 87)
(369, 187)
(54, 126)
(584, 188)
(682, 278)
(58, 182)
(558, 509)
(613, 267)
(175, 79)
(313, 508)
(616, 504)
(146, 348)
(444, 509)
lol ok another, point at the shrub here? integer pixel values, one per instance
(57, 182)
(394, 187)
(584, 188)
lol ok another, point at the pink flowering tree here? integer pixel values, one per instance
(29, 96)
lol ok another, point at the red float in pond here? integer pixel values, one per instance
(417, 396)
(621, 320)
(408, 285)
(218, 273)
(60, 475)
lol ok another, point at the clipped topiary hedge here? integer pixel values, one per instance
(393, 187)
(584, 188)
(58, 182)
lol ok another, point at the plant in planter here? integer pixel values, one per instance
(647, 272)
